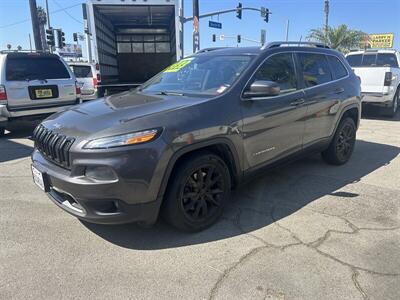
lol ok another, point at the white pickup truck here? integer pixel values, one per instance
(380, 77)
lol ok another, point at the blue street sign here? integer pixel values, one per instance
(213, 24)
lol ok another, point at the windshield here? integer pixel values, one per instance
(373, 60)
(199, 75)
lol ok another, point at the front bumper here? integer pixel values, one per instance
(133, 197)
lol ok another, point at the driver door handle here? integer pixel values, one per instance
(339, 91)
(298, 102)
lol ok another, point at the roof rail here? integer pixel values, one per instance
(24, 51)
(280, 44)
(210, 49)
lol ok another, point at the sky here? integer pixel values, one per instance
(370, 16)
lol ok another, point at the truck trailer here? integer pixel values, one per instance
(131, 41)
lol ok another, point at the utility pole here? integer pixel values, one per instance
(196, 33)
(48, 14)
(287, 30)
(181, 28)
(35, 25)
(326, 10)
(30, 42)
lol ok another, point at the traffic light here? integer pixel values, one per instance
(214, 37)
(266, 18)
(60, 39)
(265, 14)
(239, 11)
(50, 37)
(75, 35)
(239, 38)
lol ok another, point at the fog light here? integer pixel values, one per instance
(100, 173)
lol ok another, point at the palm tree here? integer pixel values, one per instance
(341, 38)
(42, 18)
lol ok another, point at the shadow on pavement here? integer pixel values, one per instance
(375, 114)
(11, 149)
(284, 190)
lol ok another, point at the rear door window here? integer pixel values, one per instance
(387, 60)
(33, 68)
(337, 67)
(82, 71)
(369, 60)
(315, 69)
(354, 60)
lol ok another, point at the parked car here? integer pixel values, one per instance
(33, 86)
(380, 78)
(184, 139)
(88, 76)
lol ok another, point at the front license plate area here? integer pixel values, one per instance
(39, 179)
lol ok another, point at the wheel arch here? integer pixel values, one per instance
(222, 147)
(353, 111)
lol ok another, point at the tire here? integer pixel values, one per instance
(391, 111)
(191, 204)
(342, 145)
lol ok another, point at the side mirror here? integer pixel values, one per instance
(262, 88)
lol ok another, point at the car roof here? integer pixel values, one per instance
(260, 50)
(29, 54)
(372, 51)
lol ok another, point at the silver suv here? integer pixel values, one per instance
(34, 85)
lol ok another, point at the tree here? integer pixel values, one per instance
(42, 19)
(341, 38)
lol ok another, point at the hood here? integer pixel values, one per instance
(106, 115)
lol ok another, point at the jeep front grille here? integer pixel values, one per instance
(55, 147)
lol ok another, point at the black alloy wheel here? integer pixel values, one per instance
(202, 193)
(345, 142)
(197, 192)
(342, 145)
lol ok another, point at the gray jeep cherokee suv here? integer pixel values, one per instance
(179, 143)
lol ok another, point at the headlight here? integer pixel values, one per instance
(123, 140)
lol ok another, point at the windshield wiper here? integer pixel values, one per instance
(166, 93)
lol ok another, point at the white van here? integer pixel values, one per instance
(88, 77)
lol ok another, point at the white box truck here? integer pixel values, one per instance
(133, 40)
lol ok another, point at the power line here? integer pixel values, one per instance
(67, 13)
(27, 20)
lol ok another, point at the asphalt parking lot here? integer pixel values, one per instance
(304, 231)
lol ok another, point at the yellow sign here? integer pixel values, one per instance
(384, 40)
(177, 66)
